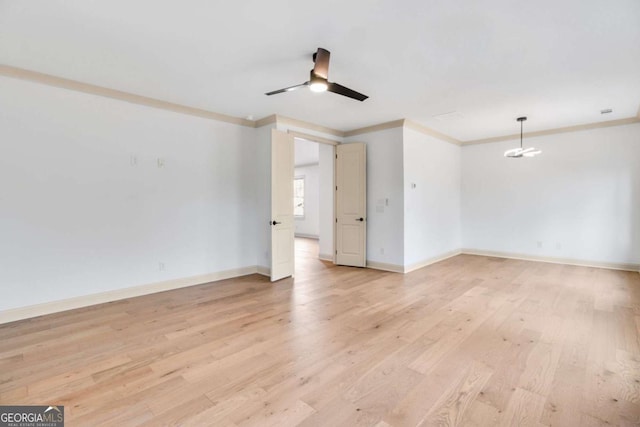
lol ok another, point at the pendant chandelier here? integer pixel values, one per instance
(517, 153)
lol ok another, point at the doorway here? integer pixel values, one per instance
(339, 219)
(313, 204)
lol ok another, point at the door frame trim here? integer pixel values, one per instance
(313, 138)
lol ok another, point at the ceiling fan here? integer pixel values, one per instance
(318, 82)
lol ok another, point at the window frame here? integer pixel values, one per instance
(303, 179)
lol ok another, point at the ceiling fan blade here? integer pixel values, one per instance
(532, 153)
(514, 152)
(345, 91)
(287, 89)
(321, 59)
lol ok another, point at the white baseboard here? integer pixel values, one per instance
(397, 268)
(265, 271)
(415, 266)
(20, 313)
(568, 261)
(394, 268)
(554, 260)
(307, 236)
(325, 257)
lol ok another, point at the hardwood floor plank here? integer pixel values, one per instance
(451, 408)
(418, 401)
(501, 386)
(524, 409)
(540, 369)
(480, 414)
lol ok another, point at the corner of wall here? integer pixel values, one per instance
(432, 197)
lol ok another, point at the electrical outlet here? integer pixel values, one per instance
(133, 160)
(558, 246)
(381, 251)
(539, 244)
(160, 162)
(161, 266)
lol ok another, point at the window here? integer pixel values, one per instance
(298, 196)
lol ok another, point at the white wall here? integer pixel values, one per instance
(326, 196)
(431, 209)
(306, 152)
(580, 199)
(385, 195)
(77, 218)
(309, 225)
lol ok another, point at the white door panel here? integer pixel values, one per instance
(351, 204)
(282, 225)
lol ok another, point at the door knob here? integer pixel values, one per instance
(276, 223)
(360, 219)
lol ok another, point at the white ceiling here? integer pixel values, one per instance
(306, 152)
(559, 62)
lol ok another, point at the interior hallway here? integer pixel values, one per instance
(307, 262)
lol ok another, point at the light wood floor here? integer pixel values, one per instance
(470, 341)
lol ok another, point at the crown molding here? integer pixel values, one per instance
(375, 128)
(403, 123)
(284, 120)
(50, 80)
(409, 124)
(576, 128)
(47, 79)
(265, 121)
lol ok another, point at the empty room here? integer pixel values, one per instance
(346, 213)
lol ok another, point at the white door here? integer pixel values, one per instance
(282, 227)
(351, 204)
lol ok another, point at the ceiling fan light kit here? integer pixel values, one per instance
(317, 84)
(318, 81)
(516, 153)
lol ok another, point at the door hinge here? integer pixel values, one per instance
(336, 157)
(336, 188)
(336, 252)
(336, 220)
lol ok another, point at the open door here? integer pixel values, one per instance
(351, 204)
(282, 227)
